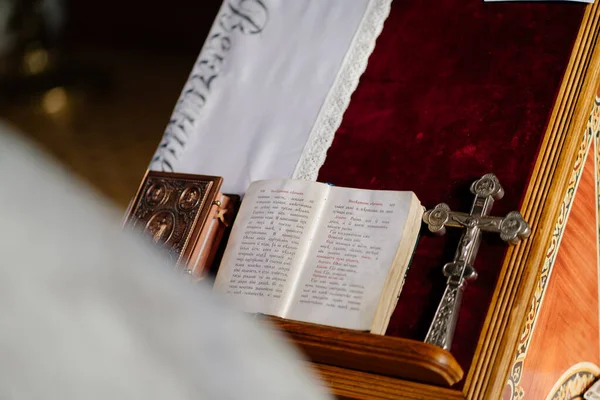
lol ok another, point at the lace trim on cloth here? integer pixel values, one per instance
(331, 113)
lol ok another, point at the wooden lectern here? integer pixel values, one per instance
(453, 90)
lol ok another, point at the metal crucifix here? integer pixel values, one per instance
(512, 229)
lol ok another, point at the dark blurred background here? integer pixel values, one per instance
(94, 83)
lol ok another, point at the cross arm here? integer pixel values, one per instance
(512, 228)
(440, 217)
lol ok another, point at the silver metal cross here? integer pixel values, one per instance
(512, 229)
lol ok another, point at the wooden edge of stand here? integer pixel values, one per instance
(515, 289)
(376, 354)
(348, 384)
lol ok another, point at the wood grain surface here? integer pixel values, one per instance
(348, 384)
(566, 331)
(384, 355)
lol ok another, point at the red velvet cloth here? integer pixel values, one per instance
(453, 90)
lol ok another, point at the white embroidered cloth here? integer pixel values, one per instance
(269, 89)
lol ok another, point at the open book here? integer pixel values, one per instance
(328, 255)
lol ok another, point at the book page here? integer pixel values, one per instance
(268, 243)
(350, 257)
